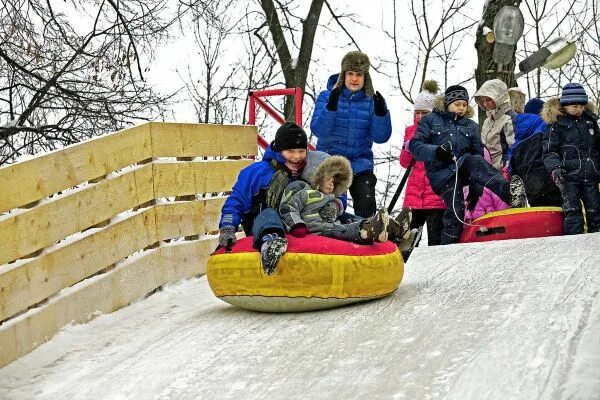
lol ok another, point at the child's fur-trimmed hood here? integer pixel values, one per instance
(438, 105)
(321, 165)
(552, 110)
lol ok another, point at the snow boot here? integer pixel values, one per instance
(407, 245)
(518, 197)
(271, 251)
(399, 227)
(375, 229)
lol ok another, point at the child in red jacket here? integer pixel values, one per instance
(427, 207)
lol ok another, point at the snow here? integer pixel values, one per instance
(500, 320)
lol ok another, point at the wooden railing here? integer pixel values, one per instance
(90, 228)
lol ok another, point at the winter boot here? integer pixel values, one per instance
(518, 197)
(399, 227)
(375, 229)
(407, 245)
(271, 250)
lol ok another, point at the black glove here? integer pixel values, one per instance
(558, 176)
(333, 99)
(444, 155)
(472, 198)
(331, 211)
(379, 102)
(227, 236)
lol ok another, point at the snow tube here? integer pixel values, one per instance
(315, 273)
(515, 223)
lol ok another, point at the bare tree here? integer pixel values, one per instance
(62, 81)
(438, 34)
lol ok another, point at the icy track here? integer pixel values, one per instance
(502, 320)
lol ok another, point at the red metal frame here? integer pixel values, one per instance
(256, 100)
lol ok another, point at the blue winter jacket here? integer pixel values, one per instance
(351, 130)
(459, 134)
(249, 188)
(248, 195)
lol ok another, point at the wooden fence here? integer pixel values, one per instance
(90, 228)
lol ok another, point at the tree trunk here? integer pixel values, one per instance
(486, 67)
(294, 73)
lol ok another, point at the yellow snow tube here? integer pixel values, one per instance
(315, 273)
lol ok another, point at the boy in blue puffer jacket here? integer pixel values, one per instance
(256, 195)
(349, 116)
(448, 141)
(572, 156)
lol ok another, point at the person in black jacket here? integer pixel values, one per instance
(571, 154)
(526, 160)
(448, 141)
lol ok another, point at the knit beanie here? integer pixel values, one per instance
(424, 100)
(455, 93)
(358, 62)
(573, 94)
(534, 106)
(289, 136)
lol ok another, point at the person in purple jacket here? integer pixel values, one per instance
(349, 116)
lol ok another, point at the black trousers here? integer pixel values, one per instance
(363, 194)
(473, 170)
(573, 194)
(435, 223)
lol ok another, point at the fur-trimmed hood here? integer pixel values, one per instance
(552, 110)
(320, 165)
(438, 105)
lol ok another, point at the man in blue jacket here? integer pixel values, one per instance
(348, 118)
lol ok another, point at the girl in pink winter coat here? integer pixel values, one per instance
(488, 201)
(427, 207)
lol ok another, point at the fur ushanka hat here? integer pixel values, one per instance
(358, 62)
(320, 165)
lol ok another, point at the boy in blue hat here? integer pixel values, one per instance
(571, 154)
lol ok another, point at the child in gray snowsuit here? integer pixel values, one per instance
(312, 205)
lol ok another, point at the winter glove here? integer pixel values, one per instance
(299, 231)
(444, 155)
(472, 198)
(331, 211)
(558, 176)
(334, 96)
(227, 236)
(379, 102)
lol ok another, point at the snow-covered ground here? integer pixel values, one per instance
(502, 320)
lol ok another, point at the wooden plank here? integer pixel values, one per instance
(28, 283)
(188, 218)
(203, 140)
(105, 293)
(24, 233)
(28, 181)
(185, 178)
(25, 284)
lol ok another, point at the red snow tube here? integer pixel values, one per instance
(515, 223)
(315, 273)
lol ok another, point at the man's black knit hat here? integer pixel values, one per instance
(455, 93)
(289, 136)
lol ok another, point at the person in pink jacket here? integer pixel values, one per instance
(488, 201)
(426, 206)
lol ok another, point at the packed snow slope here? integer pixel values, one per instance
(503, 320)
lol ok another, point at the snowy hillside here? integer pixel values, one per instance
(503, 320)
